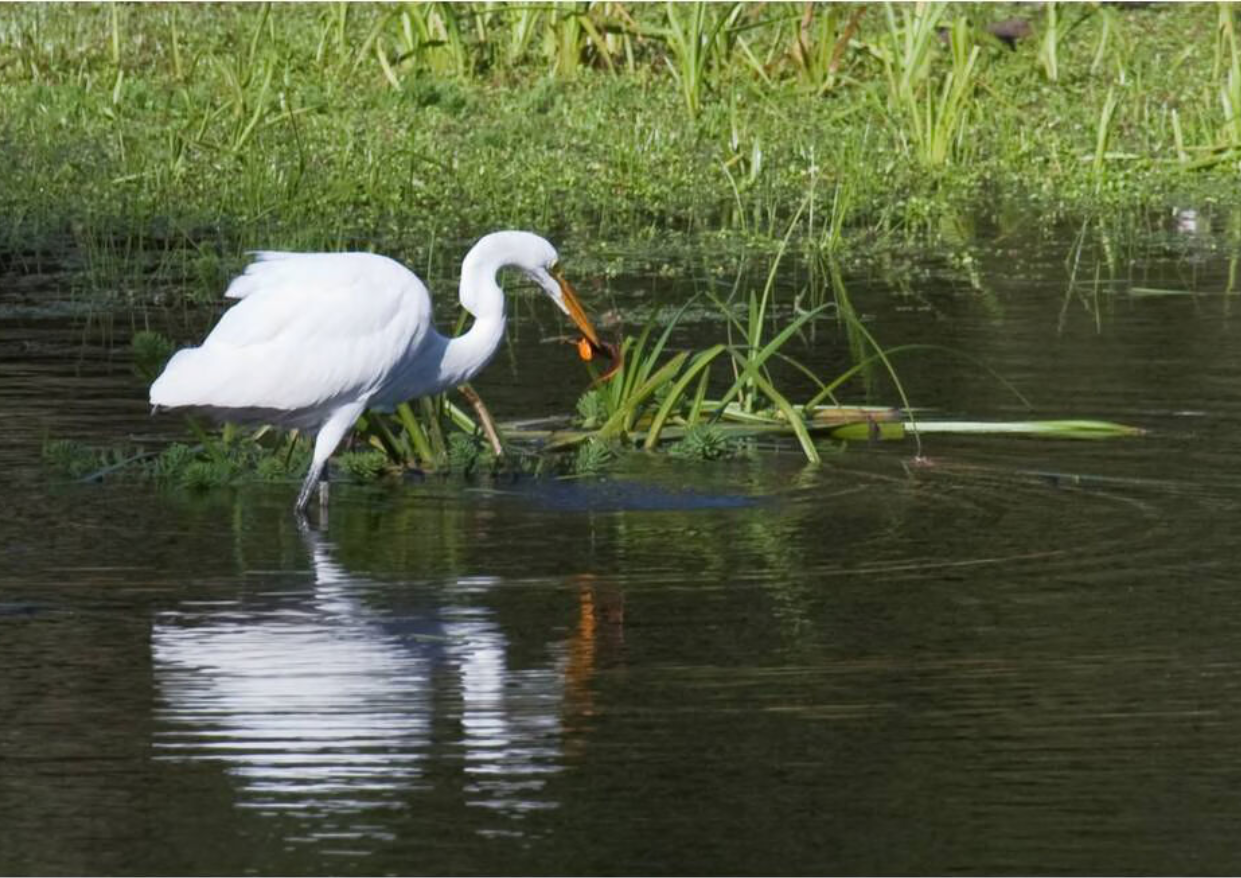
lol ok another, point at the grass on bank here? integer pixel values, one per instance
(152, 144)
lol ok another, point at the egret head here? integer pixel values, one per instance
(536, 258)
(544, 269)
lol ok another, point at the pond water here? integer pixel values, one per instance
(1021, 657)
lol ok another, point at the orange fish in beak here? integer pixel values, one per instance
(590, 344)
(574, 306)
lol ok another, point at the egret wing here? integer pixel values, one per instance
(310, 331)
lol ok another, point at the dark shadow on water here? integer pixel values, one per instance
(593, 494)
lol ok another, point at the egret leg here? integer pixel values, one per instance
(324, 485)
(308, 486)
(330, 434)
(484, 418)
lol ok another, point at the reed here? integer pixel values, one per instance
(821, 41)
(695, 35)
(931, 116)
(1049, 42)
(1102, 133)
(1230, 86)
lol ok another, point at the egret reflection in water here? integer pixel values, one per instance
(320, 705)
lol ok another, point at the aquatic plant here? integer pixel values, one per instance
(695, 37)
(821, 39)
(363, 466)
(641, 377)
(151, 351)
(705, 442)
(1102, 133)
(74, 459)
(1045, 429)
(594, 406)
(170, 463)
(648, 395)
(593, 456)
(1049, 42)
(201, 475)
(931, 120)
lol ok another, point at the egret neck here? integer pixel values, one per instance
(467, 354)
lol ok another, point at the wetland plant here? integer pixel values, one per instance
(705, 442)
(657, 398)
(932, 118)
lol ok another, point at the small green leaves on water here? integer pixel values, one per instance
(151, 351)
(592, 408)
(362, 466)
(705, 442)
(593, 457)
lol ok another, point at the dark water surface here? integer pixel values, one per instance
(1024, 657)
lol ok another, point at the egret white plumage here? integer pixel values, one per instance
(318, 338)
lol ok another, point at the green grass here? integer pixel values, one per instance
(159, 142)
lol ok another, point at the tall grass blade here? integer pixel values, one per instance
(697, 369)
(1102, 133)
(1049, 44)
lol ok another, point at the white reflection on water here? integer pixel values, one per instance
(319, 705)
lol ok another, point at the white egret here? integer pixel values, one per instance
(318, 338)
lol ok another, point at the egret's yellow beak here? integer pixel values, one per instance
(576, 312)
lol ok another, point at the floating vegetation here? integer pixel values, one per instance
(1050, 429)
(193, 467)
(709, 404)
(705, 442)
(151, 351)
(363, 466)
(594, 455)
(594, 406)
(80, 461)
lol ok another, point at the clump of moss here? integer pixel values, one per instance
(170, 463)
(465, 453)
(76, 460)
(705, 442)
(362, 466)
(594, 456)
(151, 351)
(201, 475)
(592, 408)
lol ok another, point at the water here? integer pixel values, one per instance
(1018, 658)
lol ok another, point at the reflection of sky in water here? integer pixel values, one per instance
(319, 707)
